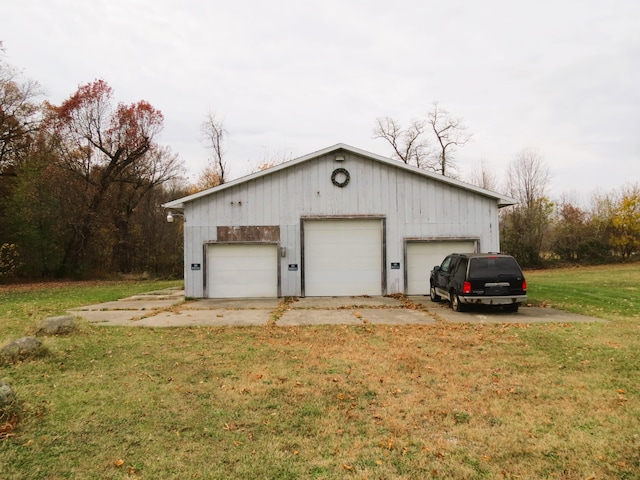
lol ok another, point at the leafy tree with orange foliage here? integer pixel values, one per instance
(111, 150)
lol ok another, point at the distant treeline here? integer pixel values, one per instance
(546, 233)
(82, 184)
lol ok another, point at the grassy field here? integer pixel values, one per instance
(557, 401)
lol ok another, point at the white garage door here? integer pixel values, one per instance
(242, 270)
(423, 256)
(342, 257)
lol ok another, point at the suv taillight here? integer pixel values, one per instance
(524, 285)
(466, 287)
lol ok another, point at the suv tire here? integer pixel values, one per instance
(456, 305)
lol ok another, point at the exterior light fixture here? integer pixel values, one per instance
(171, 215)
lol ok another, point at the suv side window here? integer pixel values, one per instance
(455, 261)
(445, 265)
(461, 269)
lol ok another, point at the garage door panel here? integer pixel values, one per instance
(236, 264)
(230, 283)
(239, 251)
(343, 257)
(236, 271)
(338, 225)
(329, 252)
(423, 256)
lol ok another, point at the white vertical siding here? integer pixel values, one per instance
(412, 205)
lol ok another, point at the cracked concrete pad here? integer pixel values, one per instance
(485, 314)
(318, 317)
(396, 316)
(234, 303)
(524, 315)
(162, 309)
(140, 304)
(236, 318)
(344, 302)
(109, 317)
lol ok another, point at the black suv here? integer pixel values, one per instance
(479, 278)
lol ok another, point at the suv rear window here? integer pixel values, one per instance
(491, 267)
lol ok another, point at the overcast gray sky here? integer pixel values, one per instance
(292, 77)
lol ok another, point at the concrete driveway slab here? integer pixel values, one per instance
(156, 300)
(108, 317)
(235, 318)
(524, 315)
(344, 302)
(312, 316)
(480, 314)
(396, 316)
(233, 303)
(162, 309)
(131, 304)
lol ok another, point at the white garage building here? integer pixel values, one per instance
(337, 222)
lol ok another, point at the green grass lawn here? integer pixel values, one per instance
(610, 292)
(22, 306)
(557, 401)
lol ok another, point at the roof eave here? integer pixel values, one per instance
(503, 201)
(506, 202)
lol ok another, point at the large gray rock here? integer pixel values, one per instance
(62, 325)
(7, 396)
(22, 349)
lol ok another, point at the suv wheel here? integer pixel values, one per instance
(455, 303)
(434, 296)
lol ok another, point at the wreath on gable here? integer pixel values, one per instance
(340, 172)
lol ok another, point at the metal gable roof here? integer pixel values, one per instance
(503, 200)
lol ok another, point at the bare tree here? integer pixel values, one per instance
(450, 134)
(484, 177)
(528, 176)
(214, 135)
(524, 225)
(410, 145)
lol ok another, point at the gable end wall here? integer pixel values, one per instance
(413, 207)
